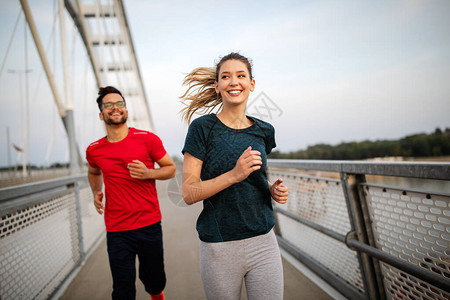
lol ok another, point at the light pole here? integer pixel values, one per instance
(25, 129)
(8, 146)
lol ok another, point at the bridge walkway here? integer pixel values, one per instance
(181, 245)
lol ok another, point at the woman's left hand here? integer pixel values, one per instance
(279, 191)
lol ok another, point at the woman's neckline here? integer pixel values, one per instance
(237, 129)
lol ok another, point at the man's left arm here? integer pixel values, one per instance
(166, 170)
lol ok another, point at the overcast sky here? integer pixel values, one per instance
(325, 71)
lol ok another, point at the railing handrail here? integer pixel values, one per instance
(418, 272)
(22, 190)
(31, 215)
(424, 170)
(361, 237)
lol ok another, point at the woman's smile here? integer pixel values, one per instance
(234, 83)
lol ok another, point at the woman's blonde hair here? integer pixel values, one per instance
(200, 96)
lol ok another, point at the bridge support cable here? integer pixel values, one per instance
(9, 43)
(67, 120)
(43, 57)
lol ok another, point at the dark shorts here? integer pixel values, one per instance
(147, 244)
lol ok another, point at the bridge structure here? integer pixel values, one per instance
(358, 230)
(94, 48)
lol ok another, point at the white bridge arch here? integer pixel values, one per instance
(94, 49)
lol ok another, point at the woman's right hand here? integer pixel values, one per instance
(248, 162)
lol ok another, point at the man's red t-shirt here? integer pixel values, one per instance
(130, 203)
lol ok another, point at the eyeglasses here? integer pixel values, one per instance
(110, 105)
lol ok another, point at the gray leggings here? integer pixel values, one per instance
(257, 260)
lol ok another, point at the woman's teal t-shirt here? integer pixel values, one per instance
(244, 209)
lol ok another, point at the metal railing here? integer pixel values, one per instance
(359, 225)
(373, 230)
(15, 177)
(47, 230)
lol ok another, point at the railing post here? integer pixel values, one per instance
(356, 207)
(79, 221)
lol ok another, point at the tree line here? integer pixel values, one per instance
(417, 145)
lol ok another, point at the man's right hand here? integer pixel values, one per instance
(98, 202)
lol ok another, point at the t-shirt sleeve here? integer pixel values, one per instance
(89, 158)
(270, 136)
(195, 143)
(156, 148)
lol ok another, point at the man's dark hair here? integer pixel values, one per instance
(103, 91)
